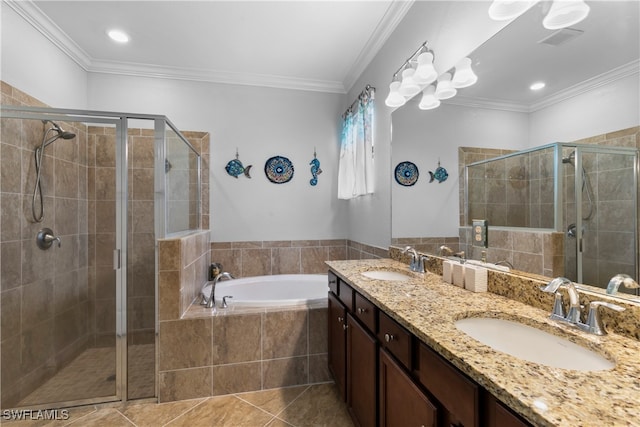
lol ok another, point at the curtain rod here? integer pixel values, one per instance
(369, 91)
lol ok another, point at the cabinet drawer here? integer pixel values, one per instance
(345, 293)
(333, 283)
(395, 338)
(366, 312)
(454, 391)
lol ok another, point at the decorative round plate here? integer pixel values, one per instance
(278, 169)
(406, 174)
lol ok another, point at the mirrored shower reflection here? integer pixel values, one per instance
(597, 196)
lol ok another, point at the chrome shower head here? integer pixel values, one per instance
(61, 133)
(569, 158)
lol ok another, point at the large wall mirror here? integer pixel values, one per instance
(591, 73)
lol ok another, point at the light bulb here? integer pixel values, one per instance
(408, 87)
(429, 100)
(445, 90)
(118, 36)
(394, 99)
(503, 10)
(564, 13)
(464, 75)
(425, 72)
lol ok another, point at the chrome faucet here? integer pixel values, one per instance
(211, 302)
(621, 279)
(574, 300)
(417, 261)
(593, 324)
(446, 251)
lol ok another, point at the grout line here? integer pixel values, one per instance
(186, 411)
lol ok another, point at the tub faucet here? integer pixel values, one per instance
(574, 300)
(212, 300)
(621, 279)
(505, 263)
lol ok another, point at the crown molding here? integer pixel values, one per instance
(593, 83)
(36, 18)
(31, 13)
(392, 17)
(212, 76)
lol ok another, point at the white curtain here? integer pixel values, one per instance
(355, 171)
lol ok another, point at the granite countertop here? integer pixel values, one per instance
(546, 396)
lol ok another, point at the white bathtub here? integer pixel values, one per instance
(278, 290)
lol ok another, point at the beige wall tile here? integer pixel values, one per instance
(285, 334)
(236, 338)
(184, 384)
(185, 344)
(285, 372)
(237, 378)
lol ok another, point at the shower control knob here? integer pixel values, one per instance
(45, 239)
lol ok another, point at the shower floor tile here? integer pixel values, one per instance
(92, 375)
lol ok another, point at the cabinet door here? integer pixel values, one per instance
(497, 415)
(362, 352)
(337, 323)
(402, 403)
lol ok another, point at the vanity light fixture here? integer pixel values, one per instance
(561, 14)
(408, 87)
(395, 99)
(464, 75)
(445, 89)
(418, 73)
(118, 36)
(429, 100)
(565, 13)
(503, 10)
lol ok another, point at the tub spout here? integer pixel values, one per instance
(211, 302)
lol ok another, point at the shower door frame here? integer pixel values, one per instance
(120, 255)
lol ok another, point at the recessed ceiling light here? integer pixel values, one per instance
(537, 86)
(118, 36)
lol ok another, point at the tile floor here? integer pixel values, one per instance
(315, 405)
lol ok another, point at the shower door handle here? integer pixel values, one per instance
(116, 259)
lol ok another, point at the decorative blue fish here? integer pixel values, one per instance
(440, 174)
(235, 168)
(315, 170)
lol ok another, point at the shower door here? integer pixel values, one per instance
(601, 213)
(62, 320)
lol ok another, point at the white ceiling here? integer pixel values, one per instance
(309, 45)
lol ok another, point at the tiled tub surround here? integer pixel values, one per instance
(261, 258)
(571, 397)
(208, 352)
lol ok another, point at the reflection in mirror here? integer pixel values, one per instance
(591, 97)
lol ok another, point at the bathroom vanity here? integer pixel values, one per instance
(398, 359)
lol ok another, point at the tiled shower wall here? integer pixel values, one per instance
(45, 293)
(609, 233)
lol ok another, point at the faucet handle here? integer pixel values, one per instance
(594, 323)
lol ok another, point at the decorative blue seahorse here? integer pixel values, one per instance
(315, 170)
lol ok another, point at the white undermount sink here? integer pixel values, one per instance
(532, 344)
(386, 275)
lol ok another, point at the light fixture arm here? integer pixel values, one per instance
(413, 58)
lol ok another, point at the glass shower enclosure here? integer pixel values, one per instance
(588, 192)
(79, 285)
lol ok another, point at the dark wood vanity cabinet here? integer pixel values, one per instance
(337, 345)
(362, 358)
(401, 401)
(389, 378)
